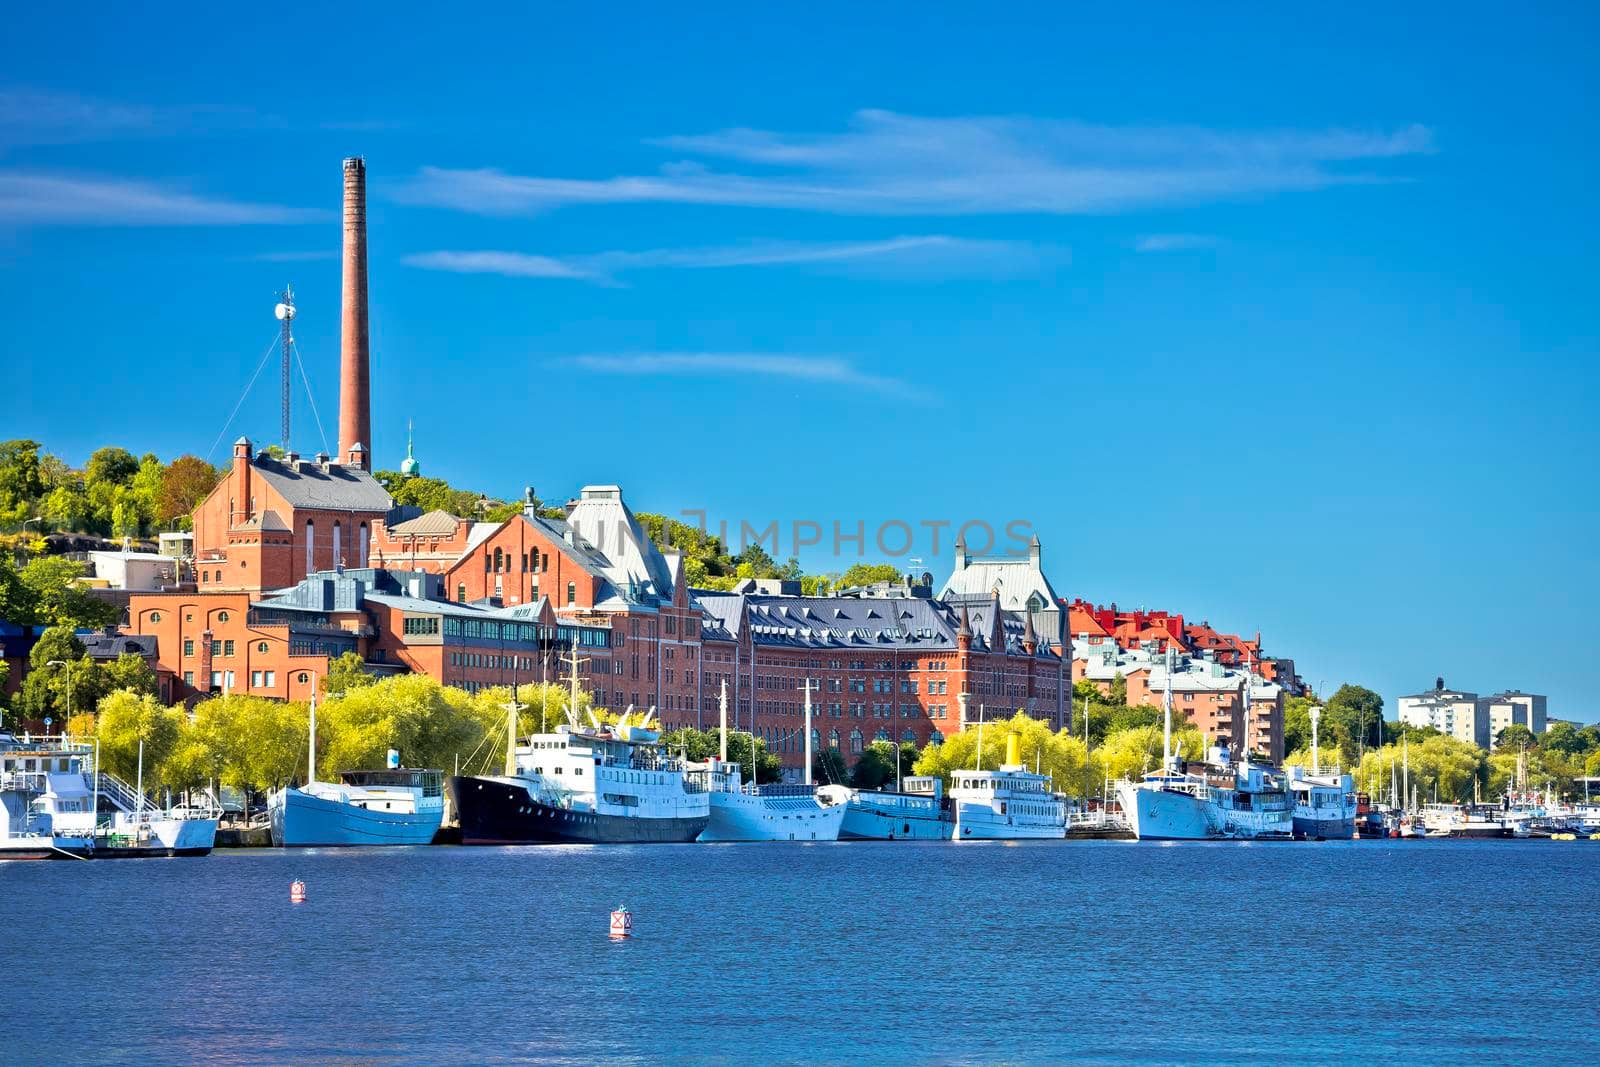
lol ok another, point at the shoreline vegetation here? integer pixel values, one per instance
(255, 743)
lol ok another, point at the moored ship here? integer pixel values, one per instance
(1324, 804)
(1008, 804)
(599, 784)
(397, 806)
(741, 812)
(915, 812)
(1170, 804)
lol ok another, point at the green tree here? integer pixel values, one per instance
(243, 742)
(859, 574)
(700, 745)
(828, 767)
(125, 719)
(1514, 738)
(58, 599)
(110, 466)
(1357, 715)
(1131, 753)
(1059, 754)
(128, 672)
(431, 725)
(67, 508)
(348, 671)
(875, 767)
(1119, 689)
(21, 483)
(56, 691)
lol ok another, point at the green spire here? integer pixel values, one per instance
(409, 467)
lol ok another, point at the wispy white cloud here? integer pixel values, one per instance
(829, 370)
(36, 199)
(927, 256)
(891, 164)
(509, 264)
(1174, 242)
(32, 116)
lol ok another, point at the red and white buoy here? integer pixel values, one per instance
(621, 922)
(297, 892)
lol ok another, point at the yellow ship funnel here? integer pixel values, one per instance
(1013, 749)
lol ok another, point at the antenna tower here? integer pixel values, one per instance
(285, 313)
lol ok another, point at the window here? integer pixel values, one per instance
(205, 576)
(216, 679)
(311, 546)
(304, 678)
(855, 741)
(338, 547)
(155, 616)
(188, 646)
(255, 679)
(216, 648)
(227, 648)
(361, 550)
(222, 616)
(188, 679)
(425, 625)
(461, 592)
(272, 678)
(572, 593)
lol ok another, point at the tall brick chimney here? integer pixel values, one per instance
(355, 403)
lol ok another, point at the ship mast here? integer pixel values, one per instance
(572, 658)
(809, 686)
(722, 722)
(1166, 716)
(513, 707)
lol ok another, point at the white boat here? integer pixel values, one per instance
(1009, 804)
(1171, 804)
(1324, 804)
(740, 812)
(913, 813)
(600, 784)
(396, 806)
(57, 804)
(1254, 800)
(1466, 820)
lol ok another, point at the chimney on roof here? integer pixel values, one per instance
(356, 456)
(322, 460)
(961, 552)
(241, 473)
(355, 413)
(1033, 549)
(530, 503)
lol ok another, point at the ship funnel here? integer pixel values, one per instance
(1013, 749)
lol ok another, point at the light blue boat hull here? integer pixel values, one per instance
(1330, 828)
(300, 820)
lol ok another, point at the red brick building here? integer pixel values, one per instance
(271, 522)
(901, 668)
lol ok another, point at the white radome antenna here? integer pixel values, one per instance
(283, 311)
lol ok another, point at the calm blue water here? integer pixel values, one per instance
(871, 952)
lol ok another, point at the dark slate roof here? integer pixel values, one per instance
(339, 488)
(845, 623)
(110, 646)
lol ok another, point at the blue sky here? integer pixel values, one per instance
(1280, 318)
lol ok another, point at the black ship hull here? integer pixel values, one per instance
(500, 813)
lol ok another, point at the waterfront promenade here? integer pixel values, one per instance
(1082, 952)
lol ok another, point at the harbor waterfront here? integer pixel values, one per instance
(502, 954)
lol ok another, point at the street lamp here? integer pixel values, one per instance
(68, 666)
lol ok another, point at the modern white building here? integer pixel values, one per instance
(1469, 717)
(144, 572)
(1516, 707)
(1450, 711)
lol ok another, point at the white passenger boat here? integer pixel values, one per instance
(1254, 800)
(915, 812)
(1009, 804)
(57, 804)
(600, 784)
(741, 812)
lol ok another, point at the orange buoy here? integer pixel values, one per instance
(297, 892)
(621, 922)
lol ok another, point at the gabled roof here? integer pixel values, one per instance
(338, 488)
(436, 523)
